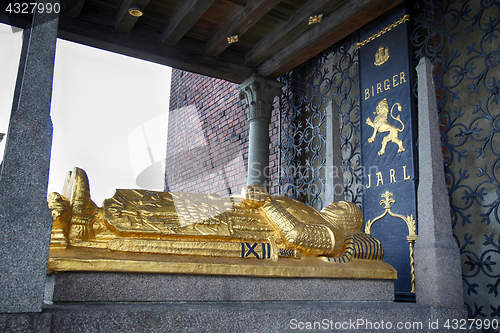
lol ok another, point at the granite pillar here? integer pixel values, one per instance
(259, 93)
(334, 179)
(25, 218)
(438, 274)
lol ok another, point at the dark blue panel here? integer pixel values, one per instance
(385, 84)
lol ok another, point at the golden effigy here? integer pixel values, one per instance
(190, 233)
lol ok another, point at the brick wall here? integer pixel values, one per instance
(207, 144)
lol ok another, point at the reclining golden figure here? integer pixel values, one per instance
(253, 225)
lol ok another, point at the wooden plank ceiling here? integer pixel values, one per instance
(274, 35)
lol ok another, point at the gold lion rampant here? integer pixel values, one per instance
(380, 124)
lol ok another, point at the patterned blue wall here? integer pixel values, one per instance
(462, 39)
(332, 76)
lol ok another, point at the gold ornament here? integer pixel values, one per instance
(387, 200)
(176, 232)
(381, 125)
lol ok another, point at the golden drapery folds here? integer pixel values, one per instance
(176, 232)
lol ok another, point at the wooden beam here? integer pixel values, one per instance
(285, 32)
(241, 3)
(124, 22)
(351, 16)
(72, 8)
(187, 15)
(146, 44)
(239, 23)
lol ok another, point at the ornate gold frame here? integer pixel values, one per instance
(387, 200)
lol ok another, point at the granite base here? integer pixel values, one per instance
(137, 287)
(235, 317)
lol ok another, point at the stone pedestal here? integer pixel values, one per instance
(438, 276)
(139, 287)
(258, 317)
(25, 219)
(259, 93)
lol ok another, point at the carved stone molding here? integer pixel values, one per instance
(259, 93)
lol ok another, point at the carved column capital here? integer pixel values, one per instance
(259, 93)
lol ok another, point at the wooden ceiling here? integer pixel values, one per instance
(274, 35)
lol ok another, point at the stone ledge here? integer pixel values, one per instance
(136, 287)
(228, 317)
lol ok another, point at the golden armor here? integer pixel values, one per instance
(136, 228)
